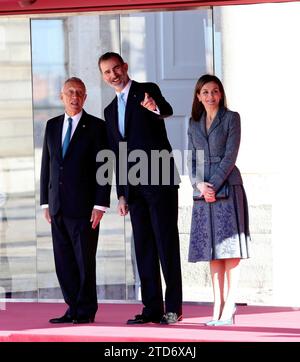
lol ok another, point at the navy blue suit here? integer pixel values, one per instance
(69, 187)
(153, 208)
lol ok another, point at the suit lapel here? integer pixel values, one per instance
(113, 118)
(131, 104)
(58, 135)
(216, 122)
(202, 126)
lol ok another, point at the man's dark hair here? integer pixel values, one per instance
(109, 55)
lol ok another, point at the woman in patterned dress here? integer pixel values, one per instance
(219, 227)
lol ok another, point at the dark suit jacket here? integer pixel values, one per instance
(220, 145)
(144, 130)
(70, 184)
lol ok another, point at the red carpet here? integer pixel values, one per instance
(28, 322)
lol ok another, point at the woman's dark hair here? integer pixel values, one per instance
(197, 107)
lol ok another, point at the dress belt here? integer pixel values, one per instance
(213, 159)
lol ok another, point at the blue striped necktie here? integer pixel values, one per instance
(67, 137)
(121, 113)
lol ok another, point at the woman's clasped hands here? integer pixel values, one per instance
(207, 191)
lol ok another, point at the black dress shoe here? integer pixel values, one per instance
(142, 319)
(64, 319)
(83, 320)
(171, 318)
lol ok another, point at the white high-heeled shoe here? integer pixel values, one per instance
(211, 323)
(227, 322)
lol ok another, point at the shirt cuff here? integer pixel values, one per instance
(156, 111)
(101, 208)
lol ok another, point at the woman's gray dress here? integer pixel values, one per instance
(219, 230)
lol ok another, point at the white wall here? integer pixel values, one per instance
(260, 65)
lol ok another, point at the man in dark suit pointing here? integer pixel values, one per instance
(136, 117)
(73, 201)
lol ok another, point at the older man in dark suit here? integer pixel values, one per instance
(135, 118)
(73, 201)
